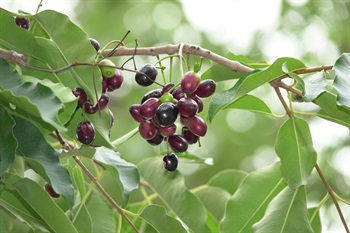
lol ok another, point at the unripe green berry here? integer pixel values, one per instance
(106, 70)
(166, 97)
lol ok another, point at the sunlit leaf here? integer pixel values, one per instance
(172, 190)
(33, 147)
(331, 111)
(119, 168)
(250, 82)
(248, 204)
(8, 141)
(250, 103)
(295, 149)
(314, 85)
(287, 212)
(156, 216)
(342, 80)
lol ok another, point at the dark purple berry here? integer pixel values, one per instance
(104, 85)
(103, 101)
(149, 107)
(167, 87)
(85, 132)
(22, 22)
(190, 137)
(166, 114)
(187, 107)
(89, 108)
(156, 140)
(116, 81)
(95, 44)
(51, 191)
(177, 143)
(178, 93)
(190, 82)
(147, 130)
(147, 75)
(170, 162)
(80, 93)
(206, 88)
(135, 112)
(167, 131)
(198, 101)
(154, 93)
(197, 125)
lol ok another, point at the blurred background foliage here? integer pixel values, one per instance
(316, 32)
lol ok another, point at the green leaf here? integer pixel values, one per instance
(287, 212)
(315, 220)
(229, 180)
(122, 170)
(331, 111)
(250, 103)
(295, 149)
(8, 141)
(214, 199)
(314, 85)
(172, 190)
(78, 179)
(82, 220)
(70, 44)
(64, 94)
(248, 204)
(19, 39)
(40, 201)
(101, 214)
(342, 80)
(42, 156)
(29, 99)
(250, 82)
(156, 216)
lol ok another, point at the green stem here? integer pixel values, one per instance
(161, 69)
(341, 199)
(319, 206)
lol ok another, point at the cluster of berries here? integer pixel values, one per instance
(160, 108)
(112, 80)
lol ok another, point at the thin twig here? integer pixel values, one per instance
(285, 106)
(331, 193)
(104, 192)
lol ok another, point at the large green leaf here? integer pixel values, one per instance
(82, 220)
(250, 82)
(250, 103)
(18, 39)
(38, 199)
(33, 147)
(315, 220)
(122, 170)
(8, 141)
(331, 111)
(248, 204)
(101, 214)
(69, 44)
(172, 190)
(295, 149)
(287, 212)
(29, 99)
(342, 80)
(156, 216)
(229, 180)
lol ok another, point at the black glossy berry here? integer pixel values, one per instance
(80, 93)
(157, 93)
(22, 22)
(170, 162)
(147, 75)
(51, 191)
(177, 143)
(166, 114)
(85, 132)
(95, 43)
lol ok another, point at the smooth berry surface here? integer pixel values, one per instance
(177, 143)
(170, 162)
(23, 22)
(51, 191)
(85, 132)
(95, 43)
(116, 81)
(80, 93)
(147, 75)
(190, 82)
(206, 88)
(166, 114)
